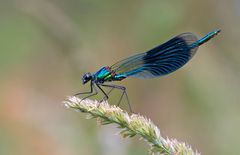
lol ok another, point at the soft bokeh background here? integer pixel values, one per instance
(46, 46)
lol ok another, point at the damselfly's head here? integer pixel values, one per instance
(86, 77)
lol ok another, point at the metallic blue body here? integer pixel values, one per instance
(106, 74)
(209, 36)
(102, 73)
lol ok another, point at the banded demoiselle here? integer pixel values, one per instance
(159, 61)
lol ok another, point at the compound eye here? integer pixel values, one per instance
(88, 75)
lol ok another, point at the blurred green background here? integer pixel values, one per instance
(46, 46)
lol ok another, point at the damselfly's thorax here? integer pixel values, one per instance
(106, 74)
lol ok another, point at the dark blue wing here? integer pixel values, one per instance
(160, 60)
(163, 59)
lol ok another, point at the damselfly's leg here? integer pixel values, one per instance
(93, 91)
(105, 98)
(88, 92)
(104, 93)
(123, 89)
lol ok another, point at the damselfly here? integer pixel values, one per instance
(159, 61)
